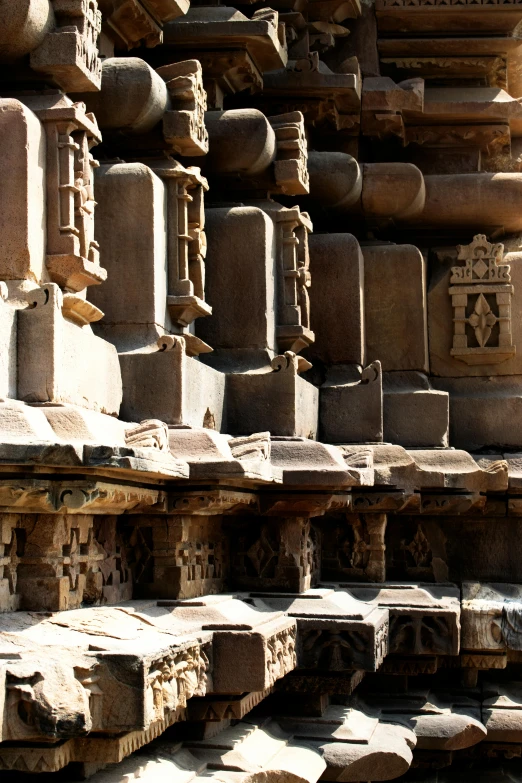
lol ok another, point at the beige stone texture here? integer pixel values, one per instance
(241, 140)
(72, 253)
(22, 193)
(255, 752)
(258, 494)
(395, 307)
(490, 616)
(59, 361)
(70, 423)
(150, 684)
(306, 462)
(393, 190)
(24, 27)
(438, 722)
(292, 275)
(453, 20)
(200, 29)
(69, 53)
(381, 750)
(212, 455)
(456, 469)
(172, 386)
(326, 96)
(169, 9)
(326, 619)
(184, 125)
(8, 336)
(501, 706)
(424, 619)
(130, 23)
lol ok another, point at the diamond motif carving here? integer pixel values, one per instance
(481, 294)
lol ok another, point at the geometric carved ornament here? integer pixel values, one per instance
(481, 294)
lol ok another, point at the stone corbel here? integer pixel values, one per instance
(290, 362)
(167, 10)
(130, 23)
(184, 123)
(384, 105)
(290, 165)
(324, 97)
(149, 434)
(69, 53)
(256, 446)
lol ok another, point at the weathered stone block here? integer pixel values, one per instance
(351, 404)
(132, 234)
(274, 554)
(173, 387)
(59, 361)
(337, 264)
(395, 307)
(240, 285)
(281, 402)
(415, 414)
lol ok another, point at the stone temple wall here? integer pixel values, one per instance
(260, 391)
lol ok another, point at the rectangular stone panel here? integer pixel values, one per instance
(22, 193)
(337, 299)
(395, 305)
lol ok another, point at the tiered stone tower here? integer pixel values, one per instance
(261, 391)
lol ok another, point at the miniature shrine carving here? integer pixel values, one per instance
(481, 294)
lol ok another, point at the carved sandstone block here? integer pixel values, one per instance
(424, 620)
(177, 556)
(354, 548)
(274, 554)
(69, 53)
(334, 631)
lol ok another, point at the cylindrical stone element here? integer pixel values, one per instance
(335, 180)
(24, 25)
(240, 140)
(132, 98)
(392, 190)
(473, 201)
